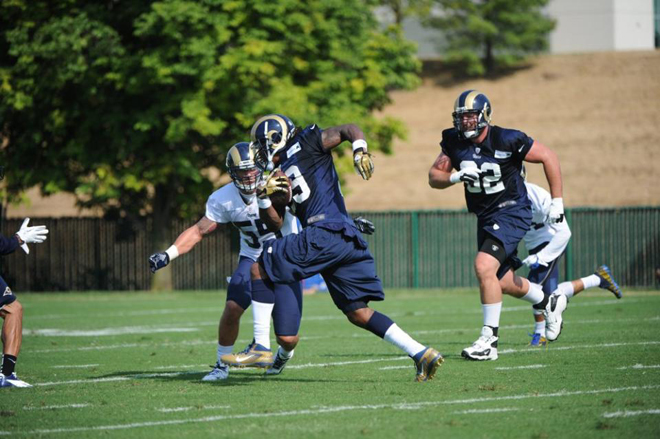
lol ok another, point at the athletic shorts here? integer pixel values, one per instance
(547, 277)
(240, 285)
(508, 227)
(341, 256)
(6, 294)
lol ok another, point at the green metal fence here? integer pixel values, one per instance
(413, 249)
(436, 249)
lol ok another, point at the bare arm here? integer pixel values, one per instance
(440, 172)
(190, 237)
(540, 153)
(272, 218)
(333, 136)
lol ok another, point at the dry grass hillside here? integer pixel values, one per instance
(600, 112)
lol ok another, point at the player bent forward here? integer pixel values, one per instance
(236, 203)
(329, 242)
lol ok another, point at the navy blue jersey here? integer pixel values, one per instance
(500, 158)
(317, 197)
(8, 245)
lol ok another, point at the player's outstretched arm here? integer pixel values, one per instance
(188, 239)
(440, 172)
(539, 153)
(362, 160)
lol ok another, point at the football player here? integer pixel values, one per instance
(546, 244)
(236, 203)
(329, 243)
(11, 309)
(488, 160)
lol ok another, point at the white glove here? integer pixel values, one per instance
(533, 261)
(29, 235)
(556, 213)
(468, 175)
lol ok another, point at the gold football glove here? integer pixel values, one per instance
(276, 184)
(364, 164)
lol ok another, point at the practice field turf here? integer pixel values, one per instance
(129, 365)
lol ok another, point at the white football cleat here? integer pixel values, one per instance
(557, 304)
(12, 381)
(485, 348)
(220, 372)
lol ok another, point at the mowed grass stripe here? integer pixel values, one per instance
(335, 409)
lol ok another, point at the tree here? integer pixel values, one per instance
(130, 104)
(483, 35)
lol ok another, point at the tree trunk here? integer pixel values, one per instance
(160, 236)
(489, 62)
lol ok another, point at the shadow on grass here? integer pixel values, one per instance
(236, 378)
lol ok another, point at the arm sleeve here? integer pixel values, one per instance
(557, 244)
(8, 245)
(520, 144)
(215, 211)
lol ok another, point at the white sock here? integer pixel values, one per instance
(539, 327)
(261, 313)
(224, 350)
(534, 295)
(566, 288)
(492, 313)
(590, 281)
(399, 338)
(284, 353)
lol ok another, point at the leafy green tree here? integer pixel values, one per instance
(483, 35)
(130, 105)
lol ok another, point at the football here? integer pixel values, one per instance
(281, 199)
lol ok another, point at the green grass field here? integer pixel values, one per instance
(129, 365)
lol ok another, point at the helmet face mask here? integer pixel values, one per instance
(269, 135)
(472, 113)
(242, 167)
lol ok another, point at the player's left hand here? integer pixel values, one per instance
(29, 235)
(158, 261)
(556, 214)
(364, 164)
(533, 262)
(277, 184)
(364, 225)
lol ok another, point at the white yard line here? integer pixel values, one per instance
(479, 411)
(394, 367)
(628, 413)
(185, 409)
(568, 348)
(331, 409)
(131, 330)
(640, 366)
(50, 407)
(74, 366)
(530, 366)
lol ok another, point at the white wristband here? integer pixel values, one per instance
(264, 203)
(455, 178)
(360, 144)
(172, 252)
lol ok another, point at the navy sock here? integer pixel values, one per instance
(263, 291)
(379, 324)
(8, 364)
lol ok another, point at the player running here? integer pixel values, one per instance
(488, 160)
(546, 244)
(329, 242)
